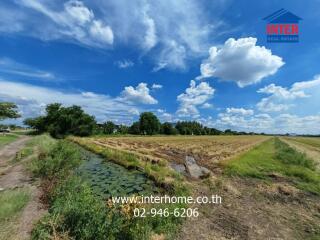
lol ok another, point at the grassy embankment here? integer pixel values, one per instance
(7, 138)
(276, 157)
(83, 215)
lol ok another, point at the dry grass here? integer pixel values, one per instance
(312, 142)
(208, 150)
(308, 145)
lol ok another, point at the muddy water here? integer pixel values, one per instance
(109, 179)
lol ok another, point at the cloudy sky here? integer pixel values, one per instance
(183, 60)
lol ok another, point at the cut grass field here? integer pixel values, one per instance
(311, 141)
(208, 150)
(275, 158)
(7, 138)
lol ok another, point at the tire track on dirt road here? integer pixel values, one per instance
(14, 175)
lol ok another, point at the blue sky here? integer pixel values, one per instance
(183, 60)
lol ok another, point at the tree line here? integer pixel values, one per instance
(60, 121)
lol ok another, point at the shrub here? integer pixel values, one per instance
(56, 160)
(76, 211)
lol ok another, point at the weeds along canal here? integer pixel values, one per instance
(108, 179)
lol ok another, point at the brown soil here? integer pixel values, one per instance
(14, 175)
(254, 210)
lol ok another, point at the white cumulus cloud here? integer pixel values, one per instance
(194, 97)
(282, 98)
(306, 84)
(282, 123)
(139, 94)
(241, 61)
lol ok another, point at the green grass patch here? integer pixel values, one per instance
(275, 156)
(257, 162)
(22, 154)
(75, 211)
(290, 156)
(55, 160)
(7, 138)
(12, 202)
(36, 144)
(52, 158)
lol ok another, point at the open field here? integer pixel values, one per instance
(207, 150)
(310, 141)
(264, 183)
(268, 192)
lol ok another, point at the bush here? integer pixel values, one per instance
(80, 214)
(56, 160)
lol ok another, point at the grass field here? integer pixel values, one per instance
(7, 138)
(276, 158)
(208, 150)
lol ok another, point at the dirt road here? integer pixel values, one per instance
(14, 175)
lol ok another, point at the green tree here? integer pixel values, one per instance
(189, 128)
(149, 123)
(8, 110)
(168, 129)
(108, 127)
(37, 123)
(134, 128)
(122, 129)
(60, 121)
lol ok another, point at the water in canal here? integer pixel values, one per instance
(110, 179)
